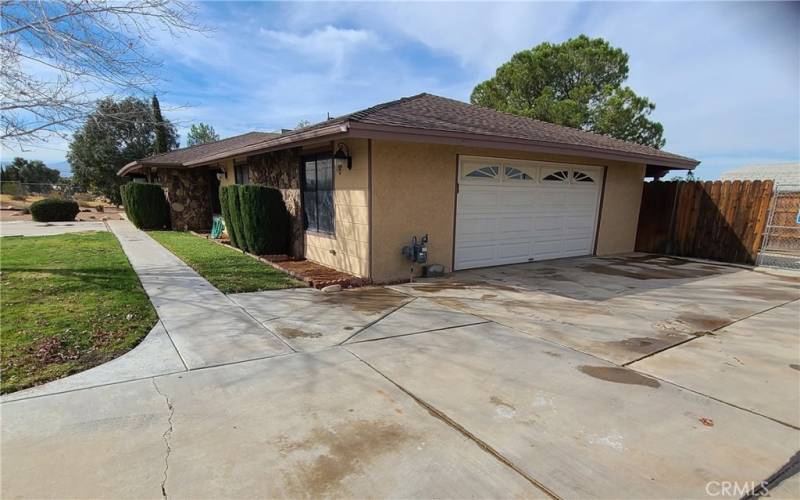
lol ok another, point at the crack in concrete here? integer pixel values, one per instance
(672, 346)
(165, 436)
(436, 413)
(363, 328)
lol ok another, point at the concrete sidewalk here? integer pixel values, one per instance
(207, 328)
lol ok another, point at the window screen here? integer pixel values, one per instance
(318, 193)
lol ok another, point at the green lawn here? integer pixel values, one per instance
(69, 302)
(227, 269)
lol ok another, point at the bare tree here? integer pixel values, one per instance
(57, 57)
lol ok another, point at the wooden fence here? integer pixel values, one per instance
(711, 220)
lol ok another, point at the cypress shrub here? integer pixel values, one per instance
(225, 193)
(233, 222)
(146, 205)
(265, 219)
(54, 209)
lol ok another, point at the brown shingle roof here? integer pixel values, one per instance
(179, 157)
(442, 117)
(430, 112)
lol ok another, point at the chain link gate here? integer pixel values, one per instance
(780, 245)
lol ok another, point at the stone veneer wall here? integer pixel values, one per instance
(281, 170)
(189, 194)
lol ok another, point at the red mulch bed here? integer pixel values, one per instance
(317, 275)
(313, 274)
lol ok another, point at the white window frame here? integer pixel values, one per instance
(537, 169)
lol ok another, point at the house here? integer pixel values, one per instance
(488, 188)
(786, 176)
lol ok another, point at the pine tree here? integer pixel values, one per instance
(161, 144)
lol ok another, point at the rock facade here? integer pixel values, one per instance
(281, 170)
(189, 195)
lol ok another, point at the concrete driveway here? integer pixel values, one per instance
(636, 377)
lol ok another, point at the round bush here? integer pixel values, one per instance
(54, 209)
(145, 205)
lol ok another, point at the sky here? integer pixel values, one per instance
(725, 77)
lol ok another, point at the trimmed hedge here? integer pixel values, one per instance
(146, 205)
(233, 221)
(265, 219)
(256, 218)
(225, 193)
(54, 210)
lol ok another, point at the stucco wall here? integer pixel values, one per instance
(619, 217)
(348, 249)
(414, 189)
(230, 175)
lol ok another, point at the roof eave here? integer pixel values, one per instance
(371, 131)
(280, 142)
(137, 165)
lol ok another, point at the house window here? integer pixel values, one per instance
(489, 172)
(318, 192)
(242, 171)
(557, 176)
(579, 176)
(517, 174)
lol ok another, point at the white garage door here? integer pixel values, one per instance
(512, 211)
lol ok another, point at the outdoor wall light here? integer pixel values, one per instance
(342, 157)
(222, 175)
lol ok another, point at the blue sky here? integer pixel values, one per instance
(725, 77)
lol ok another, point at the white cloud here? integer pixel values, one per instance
(724, 76)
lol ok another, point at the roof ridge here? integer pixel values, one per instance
(363, 113)
(186, 148)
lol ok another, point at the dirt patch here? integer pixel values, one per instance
(648, 271)
(701, 324)
(795, 366)
(553, 354)
(443, 286)
(294, 333)
(487, 296)
(771, 293)
(497, 401)
(367, 300)
(618, 375)
(656, 259)
(348, 447)
(645, 345)
(788, 279)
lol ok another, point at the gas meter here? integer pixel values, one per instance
(417, 251)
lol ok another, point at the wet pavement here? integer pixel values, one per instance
(636, 376)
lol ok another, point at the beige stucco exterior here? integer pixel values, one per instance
(409, 189)
(414, 193)
(348, 249)
(619, 217)
(230, 175)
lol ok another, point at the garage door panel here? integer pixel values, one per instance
(578, 245)
(518, 252)
(583, 221)
(506, 221)
(477, 200)
(515, 224)
(477, 256)
(549, 223)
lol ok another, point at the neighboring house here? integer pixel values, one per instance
(783, 174)
(488, 188)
